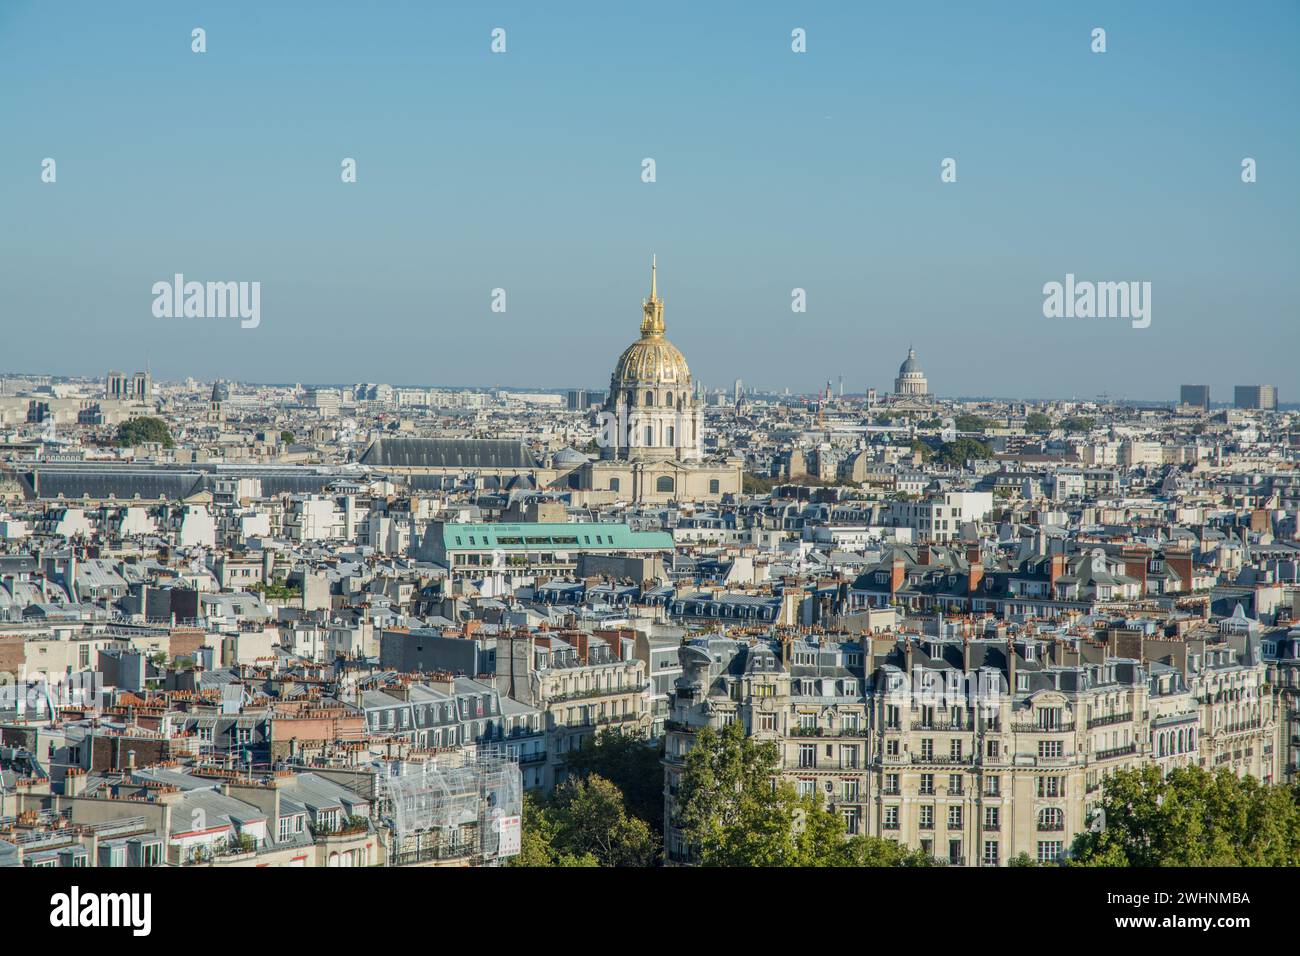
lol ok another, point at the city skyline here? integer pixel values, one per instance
(480, 172)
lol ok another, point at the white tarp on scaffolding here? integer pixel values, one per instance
(470, 801)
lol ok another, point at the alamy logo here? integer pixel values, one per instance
(208, 300)
(1098, 300)
(76, 909)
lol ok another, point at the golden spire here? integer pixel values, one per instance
(652, 322)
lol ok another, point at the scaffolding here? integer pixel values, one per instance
(453, 807)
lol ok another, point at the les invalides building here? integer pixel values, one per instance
(652, 435)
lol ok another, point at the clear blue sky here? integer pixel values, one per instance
(775, 170)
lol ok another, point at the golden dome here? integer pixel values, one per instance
(652, 359)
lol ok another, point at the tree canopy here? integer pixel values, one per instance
(1191, 817)
(731, 814)
(628, 762)
(1038, 422)
(140, 431)
(957, 453)
(584, 823)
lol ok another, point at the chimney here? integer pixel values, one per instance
(896, 575)
(974, 554)
(130, 760)
(975, 576)
(74, 782)
(923, 554)
(1058, 566)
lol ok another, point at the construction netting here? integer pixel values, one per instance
(454, 806)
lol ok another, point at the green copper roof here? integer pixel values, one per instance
(552, 535)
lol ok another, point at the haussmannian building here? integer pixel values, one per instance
(975, 750)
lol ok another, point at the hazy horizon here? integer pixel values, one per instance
(775, 171)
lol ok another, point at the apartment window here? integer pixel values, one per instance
(991, 748)
(1051, 818)
(851, 821)
(954, 749)
(990, 855)
(849, 758)
(891, 783)
(849, 791)
(927, 784)
(1049, 748)
(927, 748)
(807, 788)
(927, 817)
(892, 719)
(1049, 718)
(1050, 787)
(954, 784)
(891, 817)
(992, 786)
(1049, 851)
(891, 748)
(767, 721)
(954, 818)
(807, 755)
(992, 818)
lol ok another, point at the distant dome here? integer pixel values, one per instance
(910, 364)
(569, 456)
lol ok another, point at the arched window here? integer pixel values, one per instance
(670, 399)
(670, 434)
(664, 483)
(649, 436)
(649, 398)
(613, 484)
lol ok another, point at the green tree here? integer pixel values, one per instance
(1076, 423)
(1038, 422)
(537, 840)
(1191, 817)
(971, 423)
(591, 819)
(956, 453)
(925, 451)
(286, 438)
(139, 431)
(629, 762)
(756, 485)
(863, 850)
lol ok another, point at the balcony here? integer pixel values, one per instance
(1115, 752)
(942, 759)
(1048, 827)
(806, 732)
(1109, 719)
(944, 725)
(1032, 728)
